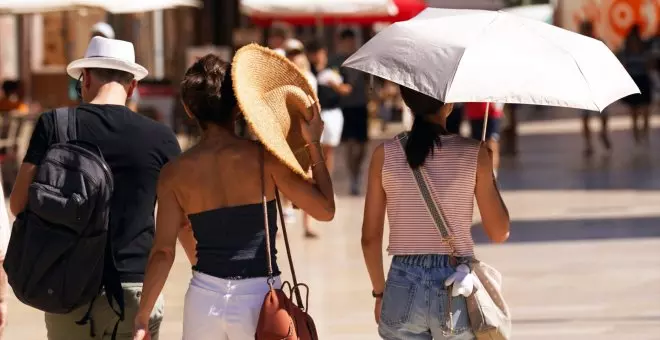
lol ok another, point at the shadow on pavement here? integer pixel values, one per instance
(576, 230)
(556, 162)
(597, 319)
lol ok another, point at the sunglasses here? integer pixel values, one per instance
(79, 88)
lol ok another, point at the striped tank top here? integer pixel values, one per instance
(451, 169)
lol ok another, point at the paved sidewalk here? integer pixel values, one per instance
(583, 261)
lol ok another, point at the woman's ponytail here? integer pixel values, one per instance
(424, 135)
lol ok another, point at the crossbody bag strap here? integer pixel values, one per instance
(425, 192)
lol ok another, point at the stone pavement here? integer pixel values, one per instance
(583, 261)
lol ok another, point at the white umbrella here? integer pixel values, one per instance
(484, 56)
(113, 6)
(293, 8)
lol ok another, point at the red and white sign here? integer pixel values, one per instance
(612, 19)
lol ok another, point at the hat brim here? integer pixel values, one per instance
(273, 95)
(75, 67)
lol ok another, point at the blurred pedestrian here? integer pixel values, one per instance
(414, 302)
(587, 29)
(655, 70)
(635, 57)
(390, 104)
(331, 88)
(103, 29)
(135, 148)
(12, 104)
(455, 119)
(295, 51)
(12, 100)
(355, 134)
(223, 189)
(278, 34)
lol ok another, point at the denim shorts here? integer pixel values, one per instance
(416, 300)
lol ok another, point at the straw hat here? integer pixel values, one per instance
(273, 94)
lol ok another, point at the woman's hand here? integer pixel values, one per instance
(377, 307)
(313, 128)
(141, 331)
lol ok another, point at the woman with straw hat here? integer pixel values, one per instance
(216, 196)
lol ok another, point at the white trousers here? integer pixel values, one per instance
(219, 309)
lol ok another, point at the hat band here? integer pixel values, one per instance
(103, 56)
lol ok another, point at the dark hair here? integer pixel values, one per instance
(635, 31)
(424, 135)
(315, 46)
(346, 34)
(293, 53)
(10, 87)
(207, 91)
(109, 75)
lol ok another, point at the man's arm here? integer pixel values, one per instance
(39, 143)
(19, 194)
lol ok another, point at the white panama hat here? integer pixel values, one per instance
(110, 54)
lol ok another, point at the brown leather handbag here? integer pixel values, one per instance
(280, 318)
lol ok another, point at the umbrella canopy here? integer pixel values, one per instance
(485, 56)
(306, 8)
(113, 6)
(312, 12)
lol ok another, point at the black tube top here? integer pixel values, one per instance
(231, 241)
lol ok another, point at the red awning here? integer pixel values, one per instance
(407, 10)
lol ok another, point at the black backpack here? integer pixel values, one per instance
(60, 244)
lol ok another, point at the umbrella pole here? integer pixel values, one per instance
(483, 132)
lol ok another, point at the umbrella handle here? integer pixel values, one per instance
(483, 132)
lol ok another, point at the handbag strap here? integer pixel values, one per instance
(425, 192)
(271, 279)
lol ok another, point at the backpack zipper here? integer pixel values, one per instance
(106, 170)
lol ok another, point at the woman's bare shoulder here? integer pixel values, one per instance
(172, 172)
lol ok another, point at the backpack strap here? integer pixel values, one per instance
(65, 124)
(113, 288)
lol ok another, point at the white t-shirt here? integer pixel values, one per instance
(329, 77)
